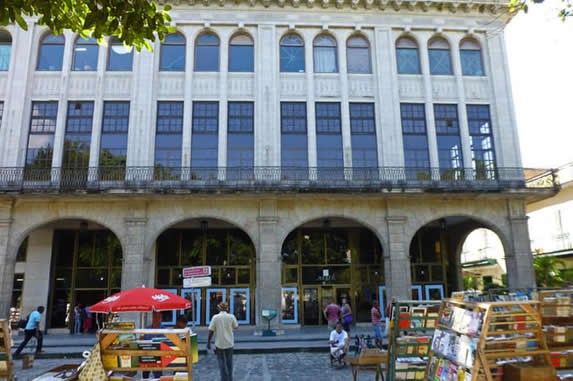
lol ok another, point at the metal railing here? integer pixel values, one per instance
(297, 179)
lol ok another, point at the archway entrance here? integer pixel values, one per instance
(435, 256)
(65, 263)
(329, 259)
(208, 242)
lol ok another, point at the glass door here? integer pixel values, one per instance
(168, 317)
(289, 305)
(214, 297)
(193, 314)
(311, 311)
(240, 304)
(434, 291)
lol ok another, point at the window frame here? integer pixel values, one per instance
(436, 41)
(231, 59)
(350, 57)
(198, 55)
(474, 47)
(409, 44)
(299, 48)
(180, 43)
(86, 44)
(5, 40)
(114, 41)
(51, 40)
(318, 46)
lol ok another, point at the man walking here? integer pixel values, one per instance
(32, 329)
(222, 326)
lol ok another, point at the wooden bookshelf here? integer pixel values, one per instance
(557, 318)
(473, 339)
(411, 331)
(6, 364)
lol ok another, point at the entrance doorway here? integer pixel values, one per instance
(315, 300)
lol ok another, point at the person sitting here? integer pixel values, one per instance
(339, 343)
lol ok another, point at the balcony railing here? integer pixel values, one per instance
(299, 179)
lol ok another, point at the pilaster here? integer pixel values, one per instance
(428, 101)
(397, 261)
(134, 260)
(268, 282)
(7, 259)
(519, 260)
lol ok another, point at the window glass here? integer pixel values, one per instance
(173, 53)
(470, 56)
(449, 141)
(85, 55)
(51, 53)
(483, 151)
(240, 144)
(294, 144)
(5, 50)
(241, 52)
(207, 52)
(439, 56)
(358, 55)
(292, 54)
(325, 58)
(120, 57)
(1, 112)
(363, 131)
(416, 154)
(407, 57)
(41, 137)
(205, 139)
(330, 161)
(78, 135)
(168, 138)
(115, 123)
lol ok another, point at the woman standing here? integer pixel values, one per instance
(346, 313)
(77, 319)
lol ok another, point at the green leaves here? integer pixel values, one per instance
(135, 22)
(523, 5)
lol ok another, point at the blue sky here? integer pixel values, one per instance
(540, 54)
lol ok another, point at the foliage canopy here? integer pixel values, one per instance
(134, 22)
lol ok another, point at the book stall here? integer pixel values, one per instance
(411, 331)
(489, 341)
(557, 315)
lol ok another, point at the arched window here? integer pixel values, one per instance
(292, 54)
(120, 57)
(440, 57)
(207, 52)
(5, 49)
(325, 58)
(407, 57)
(173, 53)
(241, 51)
(85, 54)
(358, 55)
(470, 55)
(51, 54)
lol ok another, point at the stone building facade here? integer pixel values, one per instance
(304, 150)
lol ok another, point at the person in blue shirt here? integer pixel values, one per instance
(33, 329)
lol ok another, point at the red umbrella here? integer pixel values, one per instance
(141, 300)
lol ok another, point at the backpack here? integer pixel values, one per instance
(23, 322)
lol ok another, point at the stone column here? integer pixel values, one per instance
(268, 282)
(519, 260)
(133, 265)
(397, 261)
(7, 260)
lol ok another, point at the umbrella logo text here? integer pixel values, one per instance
(160, 297)
(110, 299)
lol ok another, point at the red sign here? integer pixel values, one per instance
(190, 272)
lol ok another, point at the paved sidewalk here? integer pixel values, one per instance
(305, 339)
(299, 366)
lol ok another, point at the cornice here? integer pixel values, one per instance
(451, 6)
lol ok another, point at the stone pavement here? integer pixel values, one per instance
(299, 366)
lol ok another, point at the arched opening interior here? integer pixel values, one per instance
(329, 259)
(224, 247)
(63, 264)
(483, 261)
(438, 266)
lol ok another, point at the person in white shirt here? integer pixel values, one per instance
(222, 326)
(339, 342)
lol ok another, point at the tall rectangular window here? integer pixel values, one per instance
(41, 138)
(330, 159)
(449, 141)
(205, 140)
(294, 143)
(113, 147)
(1, 112)
(364, 147)
(483, 151)
(414, 135)
(78, 135)
(168, 140)
(240, 140)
